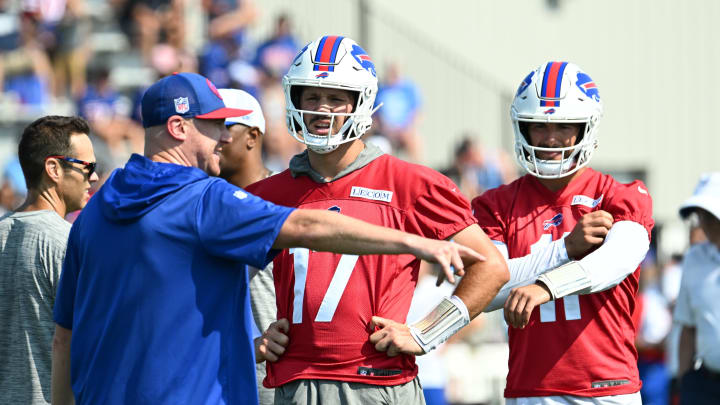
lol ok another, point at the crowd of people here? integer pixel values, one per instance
(60, 53)
(185, 277)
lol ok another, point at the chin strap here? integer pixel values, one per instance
(448, 317)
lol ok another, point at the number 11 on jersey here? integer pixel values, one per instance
(570, 302)
(301, 258)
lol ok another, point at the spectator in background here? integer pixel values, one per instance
(227, 24)
(654, 324)
(274, 56)
(278, 147)
(241, 165)
(165, 60)
(149, 22)
(261, 78)
(12, 186)
(57, 159)
(71, 50)
(25, 70)
(475, 170)
(108, 113)
(697, 308)
(690, 234)
(400, 113)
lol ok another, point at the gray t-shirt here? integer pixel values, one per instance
(264, 310)
(32, 249)
(262, 300)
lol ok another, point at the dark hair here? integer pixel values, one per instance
(464, 146)
(47, 136)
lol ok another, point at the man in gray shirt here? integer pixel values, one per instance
(58, 163)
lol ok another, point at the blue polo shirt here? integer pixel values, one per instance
(155, 288)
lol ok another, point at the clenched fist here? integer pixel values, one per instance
(589, 232)
(271, 345)
(521, 302)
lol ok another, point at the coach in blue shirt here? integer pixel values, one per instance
(152, 306)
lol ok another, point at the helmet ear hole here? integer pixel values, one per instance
(581, 133)
(524, 130)
(295, 94)
(355, 97)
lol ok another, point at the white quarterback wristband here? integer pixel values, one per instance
(448, 317)
(567, 279)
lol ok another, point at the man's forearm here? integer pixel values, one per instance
(686, 350)
(328, 231)
(482, 280)
(481, 283)
(61, 391)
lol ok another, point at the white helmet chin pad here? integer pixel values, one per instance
(551, 168)
(560, 93)
(333, 62)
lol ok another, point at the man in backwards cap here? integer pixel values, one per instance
(241, 161)
(154, 290)
(241, 164)
(697, 308)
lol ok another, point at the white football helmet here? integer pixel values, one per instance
(334, 62)
(556, 92)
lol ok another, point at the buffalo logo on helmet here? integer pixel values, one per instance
(363, 59)
(549, 111)
(525, 83)
(587, 86)
(322, 75)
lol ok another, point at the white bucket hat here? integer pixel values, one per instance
(706, 196)
(234, 98)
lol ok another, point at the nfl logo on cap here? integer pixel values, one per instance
(182, 105)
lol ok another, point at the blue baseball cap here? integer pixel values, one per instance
(188, 95)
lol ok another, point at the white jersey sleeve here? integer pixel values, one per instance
(525, 270)
(624, 248)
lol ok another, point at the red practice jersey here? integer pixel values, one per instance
(328, 298)
(579, 345)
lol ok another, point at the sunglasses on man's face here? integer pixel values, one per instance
(89, 165)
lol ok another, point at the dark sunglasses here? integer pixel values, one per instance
(89, 165)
